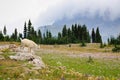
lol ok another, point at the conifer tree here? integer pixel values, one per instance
(84, 33)
(29, 29)
(59, 35)
(25, 30)
(15, 34)
(5, 30)
(39, 36)
(93, 36)
(79, 33)
(98, 36)
(69, 35)
(1, 36)
(64, 31)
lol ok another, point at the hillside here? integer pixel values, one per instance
(64, 62)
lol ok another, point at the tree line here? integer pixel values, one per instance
(75, 34)
(116, 42)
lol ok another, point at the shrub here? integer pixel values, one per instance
(116, 49)
(90, 60)
(83, 44)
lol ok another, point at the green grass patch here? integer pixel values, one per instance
(99, 67)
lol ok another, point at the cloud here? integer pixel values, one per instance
(13, 13)
(106, 9)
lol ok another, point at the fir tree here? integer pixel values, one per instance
(39, 36)
(15, 34)
(64, 31)
(29, 29)
(93, 36)
(59, 35)
(25, 30)
(1, 36)
(98, 36)
(5, 30)
(69, 35)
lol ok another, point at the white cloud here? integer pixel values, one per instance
(13, 13)
(107, 9)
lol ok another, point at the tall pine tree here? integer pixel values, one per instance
(25, 30)
(5, 30)
(64, 31)
(98, 36)
(15, 33)
(29, 29)
(93, 36)
(39, 36)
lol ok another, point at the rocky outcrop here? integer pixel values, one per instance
(24, 54)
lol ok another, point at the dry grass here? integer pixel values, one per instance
(75, 48)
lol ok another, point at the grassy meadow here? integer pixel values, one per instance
(65, 63)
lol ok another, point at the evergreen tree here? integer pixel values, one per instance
(15, 34)
(39, 36)
(64, 31)
(5, 30)
(93, 36)
(98, 36)
(84, 33)
(25, 30)
(88, 37)
(79, 32)
(76, 31)
(73, 34)
(1, 36)
(50, 34)
(65, 35)
(29, 29)
(69, 35)
(12, 38)
(59, 35)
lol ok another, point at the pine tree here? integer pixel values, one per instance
(39, 36)
(29, 29)
(73, 34)
(15, 34)
(64, 31)
(25, 30)
(88, 37)
(59, 35)
(50, 34)
(93, 36)
(69, 35)
(79, 33)
(1, 36)
(98, 36)
(5, 30)
(76, 31)
(84, 33)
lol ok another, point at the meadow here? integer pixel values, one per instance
(64, 62)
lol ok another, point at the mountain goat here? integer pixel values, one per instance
(29, 43)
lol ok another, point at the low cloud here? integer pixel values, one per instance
(106, 9)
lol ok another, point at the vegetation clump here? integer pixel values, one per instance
(90, 60)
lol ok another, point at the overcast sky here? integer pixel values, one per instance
(13, 13)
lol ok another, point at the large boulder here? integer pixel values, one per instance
(31, 58)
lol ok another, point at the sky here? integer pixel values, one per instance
(14, 13)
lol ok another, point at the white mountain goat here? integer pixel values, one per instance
(29, 43)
